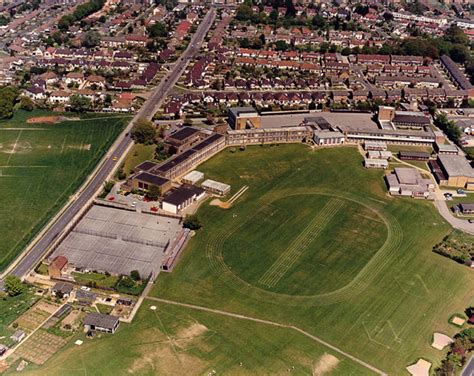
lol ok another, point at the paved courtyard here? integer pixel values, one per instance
(118, 241)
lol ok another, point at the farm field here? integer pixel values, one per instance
(41, 165)
(174, 340)
(364, 279)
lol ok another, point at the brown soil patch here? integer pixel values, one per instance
(325, 364)
(44, 120)
(219, 203)
(47, 307)
(40, 347)
(166, 360)
(191, 332)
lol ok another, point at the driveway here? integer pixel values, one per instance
(443, 209)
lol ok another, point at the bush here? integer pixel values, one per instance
(192, 222)
(135, 275)
(14, 286)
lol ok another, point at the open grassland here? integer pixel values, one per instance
(382, 294)
(41, 165)
(181, 341)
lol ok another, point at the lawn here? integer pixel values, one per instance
(96, 280)
(138, 153)
(314, 242)
(41, 165)
(381, 305)
(173, 340)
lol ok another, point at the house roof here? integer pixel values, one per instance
(60, 262)
(101, 320)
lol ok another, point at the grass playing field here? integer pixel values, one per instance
(179, 341)
(41, 165)
(315, 242)
(365, 280)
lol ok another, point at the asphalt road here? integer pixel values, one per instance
(31, 259)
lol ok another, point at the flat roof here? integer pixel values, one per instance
(236, 111)
(174, 162)
(345, 121)
(183, 133)
(151, 178)
(212, 184)
(407, 176)
(146, 166)
(193, 176)
(456, 165)
(182, 194)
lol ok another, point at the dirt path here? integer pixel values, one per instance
(272, 323)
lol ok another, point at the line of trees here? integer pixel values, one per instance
(82, 11)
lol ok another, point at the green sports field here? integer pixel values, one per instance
(41, 165)
(179, 341)
(314, 243)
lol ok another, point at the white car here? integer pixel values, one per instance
(85, 288)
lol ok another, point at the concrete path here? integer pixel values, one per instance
(459, 224)
(272, 323)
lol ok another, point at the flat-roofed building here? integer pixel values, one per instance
(192, 177)
(410, 155)
(379, 154)
(243, 117)
(144, 180)
(376, 163)
(457, 170)
(180, 198)
(216, 187)
(466, 208)
(180, 164)
(409, 182)
(410, 120)
(182, 139)
(145, 166)
(395, 136)
(269, 135)
(375, 145)
(325, 138)
(446, 149)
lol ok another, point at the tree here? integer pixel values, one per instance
(192, 222)
(8, 98)
(135, 275)
(158, 30)
(79, 103)
(244, 12)
(143, 132)
(127, 282)
(153, 193)
(318, 22)
(90, 39)
(13, 285)
(455, 34)
(26, 104)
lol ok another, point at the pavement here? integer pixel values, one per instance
(460, 224)
(29, 260)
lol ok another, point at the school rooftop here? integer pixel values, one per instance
(345, 121)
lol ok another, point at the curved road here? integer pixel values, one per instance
(108, 165)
